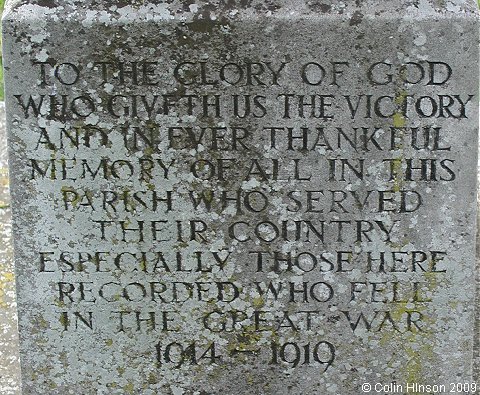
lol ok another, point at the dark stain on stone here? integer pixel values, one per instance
(245, 3)
(325, 7)
(272, 6)
(230, 4)
(268, 5)
(186, 5)
(126, 3)
(202, 26)
(319, 6)
(356, 18)
(47, 3)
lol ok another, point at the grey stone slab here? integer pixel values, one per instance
(172, 239)
(9, 356)
(476, 349)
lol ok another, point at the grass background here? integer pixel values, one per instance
(2, 2)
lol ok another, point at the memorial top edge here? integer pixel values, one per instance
(131, 10)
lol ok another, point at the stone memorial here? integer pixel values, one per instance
(251, 197)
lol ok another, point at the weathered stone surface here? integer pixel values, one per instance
(172, 239)
(9, 358)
